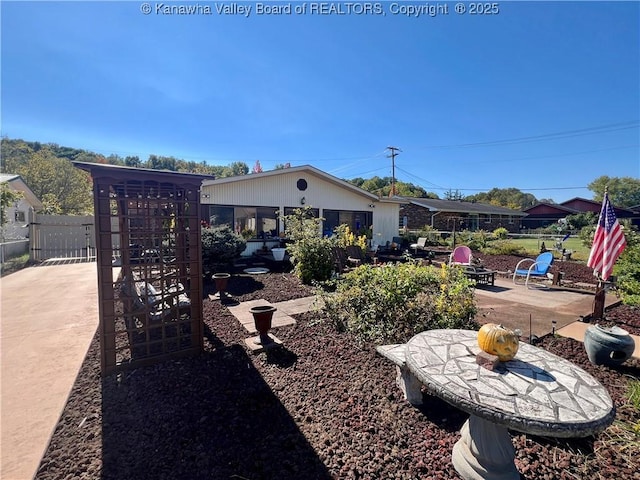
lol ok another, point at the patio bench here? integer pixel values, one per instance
(143, 299)
(411, 387)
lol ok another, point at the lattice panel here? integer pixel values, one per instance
(149, 258)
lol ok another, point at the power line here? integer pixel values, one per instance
(433, 186)
(524, 189)
(539, 157)
(614, 127)
(422, 179)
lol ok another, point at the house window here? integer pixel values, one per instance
(267, 221)
(250, 222)
(510, 219)
(357, 221)
(245, 221)
(221, 216)
(485, 218)
(473, 222)
(20, 217)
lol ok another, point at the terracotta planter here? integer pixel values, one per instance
(221, 280)
(608, 346)
(262, 316)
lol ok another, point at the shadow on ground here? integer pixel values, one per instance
(219, 427)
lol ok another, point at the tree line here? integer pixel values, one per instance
(64, 189)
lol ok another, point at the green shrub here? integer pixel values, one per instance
(431, 234)
(310, 253)
(312, 259)
(633, 394)
(474, 240)
(501, 233)
(580, 220)
(220, 245)
(391, 303)
(15, 263)
(504, 247)
(627, 269)
(586, 235)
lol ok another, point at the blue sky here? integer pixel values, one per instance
(541, 96)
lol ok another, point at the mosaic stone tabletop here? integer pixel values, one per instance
(537, 392)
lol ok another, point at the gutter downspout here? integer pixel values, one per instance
(432, 217)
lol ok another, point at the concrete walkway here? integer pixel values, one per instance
(49, 316)
(576, 330)
(281, 317)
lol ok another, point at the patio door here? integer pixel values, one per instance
(473, 222)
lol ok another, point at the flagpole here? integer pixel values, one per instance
(600, 297)
(599, 301)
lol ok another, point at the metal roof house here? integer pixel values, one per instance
(443, 214)
(254, 204)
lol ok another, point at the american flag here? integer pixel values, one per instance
(608, 241)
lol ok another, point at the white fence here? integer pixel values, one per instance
(13, 248)
(62, 236)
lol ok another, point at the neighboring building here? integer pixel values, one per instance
(544, 214)
(253, 204)
(20, 214)
(416, 213)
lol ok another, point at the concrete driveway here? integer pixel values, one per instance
(49, 316)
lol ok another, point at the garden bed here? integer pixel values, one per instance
(319, 408)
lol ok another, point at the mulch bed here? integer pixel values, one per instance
(317, 409)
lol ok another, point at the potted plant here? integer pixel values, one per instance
(262, 316)
(278, 253)
(221, 280)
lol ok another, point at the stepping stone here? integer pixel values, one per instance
(245, 317)
(255, 347)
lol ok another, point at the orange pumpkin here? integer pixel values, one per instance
(498, 340)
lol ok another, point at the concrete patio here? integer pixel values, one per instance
(511, 305)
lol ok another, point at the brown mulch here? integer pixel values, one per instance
(317, 409)
(574, 271)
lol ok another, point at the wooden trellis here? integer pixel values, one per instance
(148, 252)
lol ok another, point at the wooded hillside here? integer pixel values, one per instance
(64, 189)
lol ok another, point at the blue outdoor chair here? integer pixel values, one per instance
(538, 268)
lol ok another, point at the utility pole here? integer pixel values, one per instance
(393, 156)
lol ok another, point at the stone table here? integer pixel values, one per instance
(537, 392)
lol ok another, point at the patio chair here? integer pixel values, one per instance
(355, 255)
(538, 269)
(142, 298)
(421, 244)
(340, 261)
(461, 255)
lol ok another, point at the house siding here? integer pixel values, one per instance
(281, 191)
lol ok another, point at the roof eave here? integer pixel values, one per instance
(282, 171)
